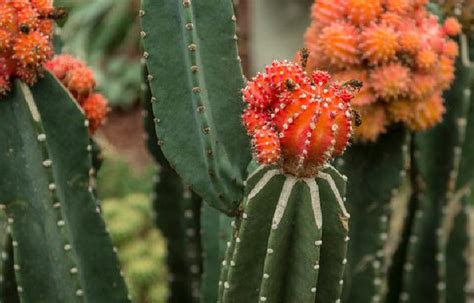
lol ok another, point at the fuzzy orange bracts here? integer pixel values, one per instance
(79, 80)
(400, 52)
(26, 30)
(296, 120)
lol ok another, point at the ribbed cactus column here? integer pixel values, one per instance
(291, 240)
(376, 172)
(444, 161)
(195, 78)
(216, 231)
(177, 215)
(61, 250)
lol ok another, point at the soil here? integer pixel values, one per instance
(123, 135)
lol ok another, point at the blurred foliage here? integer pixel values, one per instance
(116, 179)
(105, 33)
(128, 214)
(141, 248)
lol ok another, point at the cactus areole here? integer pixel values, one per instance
(297, 121)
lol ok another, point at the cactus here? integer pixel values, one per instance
(195, 79)
(371, 210)
(177, 213)
(9, 288)
(446, 182)
(258, 266)
(46, 198)
(215, 235)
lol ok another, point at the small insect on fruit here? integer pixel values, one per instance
(357, 118)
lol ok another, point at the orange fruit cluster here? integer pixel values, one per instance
(79, 80)
(297, 121)
(397, 48)
(26, 30)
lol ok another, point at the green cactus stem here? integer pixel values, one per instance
(215, 234)
(290, 241)
(445, 179)
(9, 288)
(195, 78)
(47, 197)
(375, 172)
(177, 215)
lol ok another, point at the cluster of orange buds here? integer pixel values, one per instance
(79, 80)
(397, 48)
(297, 121)
(26, 31)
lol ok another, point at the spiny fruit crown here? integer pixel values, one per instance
(297, 121)
(79, 80)
(26, 30)
(402, 52)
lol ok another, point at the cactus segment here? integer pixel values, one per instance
(369, 204)
(177, 216)
(47, 199)
(457, 254)
(440, 164)
(8, 289)
(277, 252)
(168, 204)
(215, 234)
(195, 77)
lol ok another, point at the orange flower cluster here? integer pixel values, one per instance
(26, 30)
(295, 120)
(79, 80)
(398, 49)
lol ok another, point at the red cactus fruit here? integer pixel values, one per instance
(25, 39)
(339, 44)
(79, 80)
(266, 146)
(399, 6)
(365, 95)
(374, 122)
(62, 64)
(326, 11)
(74, 74)
(306, 121)
(361, 12)
(400, 51)
(96, 109)
(418, 114)
(390, 81)
(379, 43)
(32, 49)
(452, 27)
